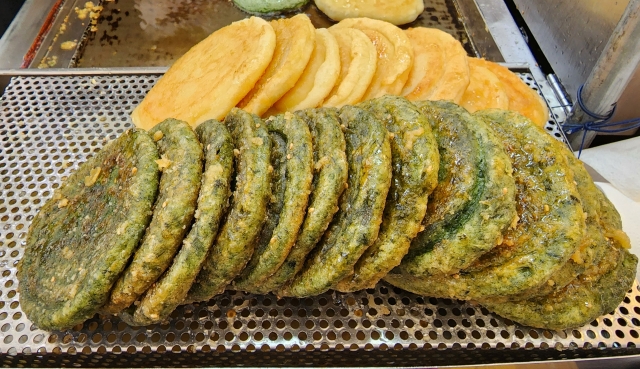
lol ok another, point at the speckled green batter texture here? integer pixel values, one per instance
(415, 162)
(330, 177)
(298, 163)
(550, 228)
(475, 199)
(605, 275)
(236, 241)
(172, 214)
(579, 302)
(594, 245)
(355, 227)
(276, 200)
(81, 240)
(171, 289)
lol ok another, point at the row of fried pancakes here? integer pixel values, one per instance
(267, 68)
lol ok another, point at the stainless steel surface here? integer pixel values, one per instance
(50, 123)
(61, 44)
(560, 92)
(611, 74)
(571, 34)
(156, 33)
(23, 31)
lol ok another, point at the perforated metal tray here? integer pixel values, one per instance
(49, 124)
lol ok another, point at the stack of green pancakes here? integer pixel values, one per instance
(434, 200)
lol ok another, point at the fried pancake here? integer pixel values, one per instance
(235, 242)
(205, 74)
(593, 282)
(329, 182)
(580, 302)
(81, 239)
(394, 55)
(440, 69)
(522, 99)
(395, 11)
(170, 290)
(594, 244)
(181, 165)
(473, 203)
(550, 228)
(485, 90)
(274, 245)
(269, 8)
(295, 40)
(318, 78)
(357, 66)
(415, 162)
(355, 227)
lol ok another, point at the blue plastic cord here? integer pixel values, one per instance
(601, 123)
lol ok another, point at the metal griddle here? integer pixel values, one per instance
(147, 33)
(51, 121)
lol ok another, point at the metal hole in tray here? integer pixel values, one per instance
(51, 124)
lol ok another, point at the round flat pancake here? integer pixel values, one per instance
(440, 69)
(295, 40)
(181, 165)
(594, 245)
(522, 98)
(550, 226)
(485, 90)
(298, 163)
(235, 242)
(269, 8)
(415, 162)
(578, 303)
(396, 12)
(473, 203)
(355, 227)
(328, 184)
(358, 58)
(205, 74)
(81, 239)
(318, 78)
(394, 53)
(170, 290)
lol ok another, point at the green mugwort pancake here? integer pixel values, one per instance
(594, 245)
(473, 203)
(579, 302)
(275, 244)
(236, 240)
(181, 165)
(549, 229)
(355, 227)
(329, 180)
(171, 289)
(269, 7)
(415, 162)
(80, 241)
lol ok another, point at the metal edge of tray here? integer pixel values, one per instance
(66, 27)
(26, 32)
